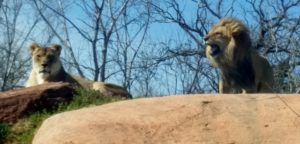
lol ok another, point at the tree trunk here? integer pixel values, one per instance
(104, 59)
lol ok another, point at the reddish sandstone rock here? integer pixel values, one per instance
(15, 103)
(194, 119)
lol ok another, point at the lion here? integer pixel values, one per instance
(47, 67)
(228, 48)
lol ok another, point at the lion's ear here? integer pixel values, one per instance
(57, 48)
(240, 33)
(33, 47)
(236, 30)
(235, 34)
(239, 29)
(243, 38)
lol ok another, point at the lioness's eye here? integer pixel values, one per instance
(50, 57)
(38, 56)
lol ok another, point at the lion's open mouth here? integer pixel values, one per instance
(215, 50)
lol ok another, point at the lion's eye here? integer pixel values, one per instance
(38, 56)
(218, 34)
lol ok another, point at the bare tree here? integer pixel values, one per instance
(14, 65)
(147, 83)
(278, 36)
(1, 3)
(130, 38)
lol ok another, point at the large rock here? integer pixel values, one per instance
(194, 119)
(16, 103)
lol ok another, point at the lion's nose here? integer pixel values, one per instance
(206, 38)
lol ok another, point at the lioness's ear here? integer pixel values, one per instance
(33, 47)
(57, 48)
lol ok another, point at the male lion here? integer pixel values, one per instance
(228, 47)
(47, 67)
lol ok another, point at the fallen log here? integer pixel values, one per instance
(14, 104)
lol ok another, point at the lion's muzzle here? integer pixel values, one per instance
(214, 50)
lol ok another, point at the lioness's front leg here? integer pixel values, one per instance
(31, 80)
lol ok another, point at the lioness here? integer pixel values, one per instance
(47, 67)
(228, 47)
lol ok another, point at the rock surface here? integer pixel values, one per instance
(192, 119)
(15, 103)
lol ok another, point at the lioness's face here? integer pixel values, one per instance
(45, 59)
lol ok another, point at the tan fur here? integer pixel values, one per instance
(228, 47)
(47, 67)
